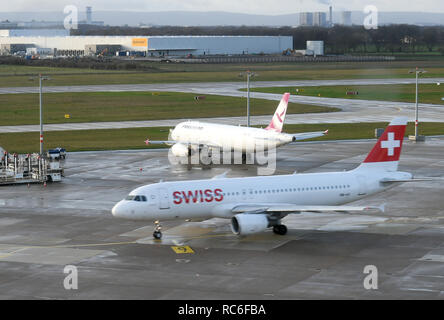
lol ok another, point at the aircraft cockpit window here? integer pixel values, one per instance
(136, 198)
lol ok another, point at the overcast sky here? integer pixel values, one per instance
(241, 6)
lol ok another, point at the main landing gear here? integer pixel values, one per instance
(157, 234)
(280, 229)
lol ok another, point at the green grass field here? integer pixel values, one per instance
(18, 76)
(428, 93)
(122, 139)
(20, 109)
(82, 140)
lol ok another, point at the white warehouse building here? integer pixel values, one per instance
(153, 46)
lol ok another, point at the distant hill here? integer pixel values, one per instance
(187, 18)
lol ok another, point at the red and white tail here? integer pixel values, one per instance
(277, 122)
(386, 152)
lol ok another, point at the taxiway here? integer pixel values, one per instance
(43, 229)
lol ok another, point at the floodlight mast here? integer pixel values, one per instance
(41, 79)
(417, 72)
(249, 74)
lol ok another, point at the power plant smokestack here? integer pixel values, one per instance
(88, 15)
(331, 16)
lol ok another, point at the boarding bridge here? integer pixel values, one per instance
(29, 168)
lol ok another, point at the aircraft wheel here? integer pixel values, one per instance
(280, 230)
(157, 235)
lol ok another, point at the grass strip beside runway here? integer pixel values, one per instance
(428, 93)
(18, 76)
(23, 109)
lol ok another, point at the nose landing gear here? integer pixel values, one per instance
(157, 234)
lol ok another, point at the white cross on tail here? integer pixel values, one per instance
(391, 144)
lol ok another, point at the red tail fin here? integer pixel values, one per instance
(387, 150)
(277, 123)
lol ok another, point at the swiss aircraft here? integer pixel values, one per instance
(255, 204)
(190, 137)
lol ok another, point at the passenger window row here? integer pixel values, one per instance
(336, 187)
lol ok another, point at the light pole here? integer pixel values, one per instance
(41, 79)
(417, 137)
(249, 74)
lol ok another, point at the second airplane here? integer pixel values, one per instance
(189, 137)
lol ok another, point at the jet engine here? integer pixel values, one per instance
(245, 224)
(181, 150)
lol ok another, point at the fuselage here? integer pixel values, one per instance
(235, 138)
(202, 199)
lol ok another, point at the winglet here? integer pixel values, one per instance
(380, 208)
(221, 176)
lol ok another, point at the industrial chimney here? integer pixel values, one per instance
(88, 15)
(331, 16)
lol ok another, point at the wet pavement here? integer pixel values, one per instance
(43, 229)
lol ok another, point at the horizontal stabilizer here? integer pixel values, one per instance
(308, 135)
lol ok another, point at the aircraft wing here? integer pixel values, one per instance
(171, 142)
(292, 208)
(308, 135)
(389, 180)
(148, 142)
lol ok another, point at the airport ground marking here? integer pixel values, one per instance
(66, 246)
(13, 252)
(188, 249)
(90, 245)
(182, 249)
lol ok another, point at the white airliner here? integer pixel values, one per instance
(190, 136)
(256, 203)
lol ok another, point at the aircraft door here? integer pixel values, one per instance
(362, 185)
(164, 199)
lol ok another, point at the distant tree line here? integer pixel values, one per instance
(338, 39)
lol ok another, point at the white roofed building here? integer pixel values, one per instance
(157, 45)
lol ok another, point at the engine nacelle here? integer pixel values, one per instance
(181, 150)
(245, 224)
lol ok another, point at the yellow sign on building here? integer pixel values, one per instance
(140, 42)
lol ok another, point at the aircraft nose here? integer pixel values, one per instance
(117, 210)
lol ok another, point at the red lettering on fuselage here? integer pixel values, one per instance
(219, 195)
(195, 196)
(177, 197)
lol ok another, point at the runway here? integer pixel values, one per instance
(43, 229)
(352, 110)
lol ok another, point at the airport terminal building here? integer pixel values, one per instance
(13, 42)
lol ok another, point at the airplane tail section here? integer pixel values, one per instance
(277, 122)
(386, 152)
